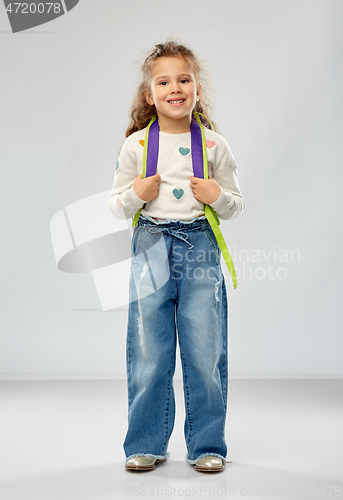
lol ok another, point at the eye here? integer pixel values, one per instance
(184, 80)
(163, 82)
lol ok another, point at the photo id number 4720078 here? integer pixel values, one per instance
(33, 8)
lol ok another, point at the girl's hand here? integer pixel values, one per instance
(205, 190)
(147, 189)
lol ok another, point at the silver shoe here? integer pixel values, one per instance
(209, 464)
(145, 462)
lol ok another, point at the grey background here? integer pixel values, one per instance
(276, 76)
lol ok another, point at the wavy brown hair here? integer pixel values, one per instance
(141, 112)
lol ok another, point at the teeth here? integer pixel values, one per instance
(176, 102)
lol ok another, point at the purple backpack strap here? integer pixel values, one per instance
(152, 156)
(196, 149)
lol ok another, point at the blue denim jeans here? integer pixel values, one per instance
(177, 290)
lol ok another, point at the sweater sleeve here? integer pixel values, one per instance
(122, 201)
(230, 203)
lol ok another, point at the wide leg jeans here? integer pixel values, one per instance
(177, 289)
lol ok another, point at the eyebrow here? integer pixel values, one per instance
(167, 76)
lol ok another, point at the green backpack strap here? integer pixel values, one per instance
(201, 114)
(211, 214)
(145, 156)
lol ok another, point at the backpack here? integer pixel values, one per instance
(199, 160)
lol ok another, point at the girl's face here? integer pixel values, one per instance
(174, 92)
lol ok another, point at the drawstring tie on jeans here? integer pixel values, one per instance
(172, 232)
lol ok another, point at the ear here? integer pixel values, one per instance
(148, 97)
(199, 92)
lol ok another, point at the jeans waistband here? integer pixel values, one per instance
(197, 223)
(178, 229)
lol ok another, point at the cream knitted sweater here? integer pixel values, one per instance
(175, 200)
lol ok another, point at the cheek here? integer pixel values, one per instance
(193, 91)
(156, 94)
(162, 90)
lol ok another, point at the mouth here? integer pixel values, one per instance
(176, 102)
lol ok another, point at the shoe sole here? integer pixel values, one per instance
(145, 467)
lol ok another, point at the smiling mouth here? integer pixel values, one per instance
(176, 102)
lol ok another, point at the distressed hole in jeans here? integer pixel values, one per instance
(216, 292)
(144, 270)
(142, 340)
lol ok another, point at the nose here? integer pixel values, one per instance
(176, 88)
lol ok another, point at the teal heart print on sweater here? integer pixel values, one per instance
(184, 151)
(178, 193)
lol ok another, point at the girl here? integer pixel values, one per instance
(177, 287)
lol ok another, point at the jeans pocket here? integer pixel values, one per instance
(137, 237)
(212, 239)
